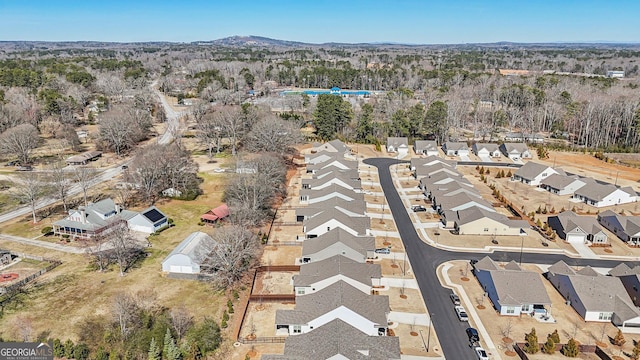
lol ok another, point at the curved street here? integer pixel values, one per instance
(425, 260)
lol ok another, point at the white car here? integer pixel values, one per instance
(462, 313)
(481, 353)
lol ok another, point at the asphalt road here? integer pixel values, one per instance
(425, 259)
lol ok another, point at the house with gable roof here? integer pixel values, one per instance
(335, 161)
(399, 145)
(338, 339)
(515, 151)
(532, 173)
(311, 196)
(478, 220)
(575, 228)
(452, 148)
(426, 147)
(367, 313)
(338, 241)
(601, 195)
(317, 275)
(513, 291)
(560, 184)
(627, 228)
(333, 146)
(486, 150)
(593, 296)
(630, 277)
(328, 220)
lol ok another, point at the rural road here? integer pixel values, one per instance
(173, 117)
(425, 260)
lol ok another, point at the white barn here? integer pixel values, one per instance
(187, 257)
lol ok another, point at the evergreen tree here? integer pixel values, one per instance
(570, 349)
(555, 336)
(101, 354)
(364, 127)
(332, 114)
(436, 120)
(154, 350)
(230, 306)
(171, 350)
(549, 347)
(81, 352)
(68, 349)
(531, 346)
(58, 348)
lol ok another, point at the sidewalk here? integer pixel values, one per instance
(442, 272)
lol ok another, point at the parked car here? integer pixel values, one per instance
(473, 335)
(462, 313)
(12, 163)
(418, 208)
(382, 251)
(125, 167)
(481, 353)
(455, 299)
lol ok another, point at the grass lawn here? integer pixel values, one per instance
(72, 292)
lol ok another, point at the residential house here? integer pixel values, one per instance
(101, 218)
(415, 163)
(429, 182)
(451, 189)
(216, 214)
(325, 221)
(515, 151)
(514, 137)
(460, 202)
(486, 150)
(601, 195)
(321, 157)
(351, 173)
(577, 229)
(627, 228)
(337, 339)
(512, 290)
(84, 158)
(426, 147)
(534, 138)
(562, 184)
(5, 257)
(593, 296)
(532, 173)
(317, 275)
(338, 241)
(630, 278)
(481, 221)
(337, 179)
(399, 145)
(339, 163)
(351, 208)
(615, 74)
(333, 146)
(310, 196)
(451, 148)
(367, 313)
(430, 170)
(189, 255)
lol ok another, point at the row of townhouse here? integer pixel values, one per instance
(514, 291)
(460, 205)
(581, 189)
(336, 314)
(514, 151)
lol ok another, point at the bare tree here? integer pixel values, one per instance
(23, 326)
(273, 134)
(126, 250)
(233, 125)
(232, 254)
(209, 132)
(157, 167)
(124, 126)
(60, 181)
(111, 85)
(85, 177)
(10, 116)
(30, 189)
(20, 141)
(181, 320)
(125, 312)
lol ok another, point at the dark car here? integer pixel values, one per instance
(125, 167)
(473, 335)
(418, 208)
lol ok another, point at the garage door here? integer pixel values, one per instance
(181, 269)
(575, 239)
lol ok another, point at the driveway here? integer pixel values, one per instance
(485, 158)
(426, 259)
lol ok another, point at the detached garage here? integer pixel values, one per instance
(187, 257)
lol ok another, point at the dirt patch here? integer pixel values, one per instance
(510, 353)
(413, 333)
(403, 296)
(464, 278)
(481, 307)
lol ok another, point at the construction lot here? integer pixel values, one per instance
(504, 330)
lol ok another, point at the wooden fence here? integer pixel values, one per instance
(263, 340)
(11, 290)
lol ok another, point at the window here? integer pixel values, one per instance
(511, 310)
(486, 229)
(297, 329)
(604, 316)
(300, 291)
(526, 308)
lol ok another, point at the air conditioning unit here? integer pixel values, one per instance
(568, 302)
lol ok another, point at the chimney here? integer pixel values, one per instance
(83, 215)
(118, 210)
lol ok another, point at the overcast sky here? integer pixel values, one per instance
(402, 21)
